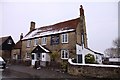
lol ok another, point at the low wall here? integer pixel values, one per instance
(94, 71)
(20, 62)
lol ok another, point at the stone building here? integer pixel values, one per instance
(16, 51)
(6, 45)
(54, 42)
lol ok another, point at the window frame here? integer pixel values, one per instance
(9, 41)
(28, 43)
(44, 41)
(63, 54)
(36, 42)
(55, 39)
(64, 38)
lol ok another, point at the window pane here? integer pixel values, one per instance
(62, 37)
(44, 41)
(36, 42)
(9, 41)
(54, 39)
(65, 38)
(28, 43)
(66, 54)
(62, 53)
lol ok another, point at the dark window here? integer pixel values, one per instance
(64, 54)
(80, 58)
(32, 56)
(54, 39)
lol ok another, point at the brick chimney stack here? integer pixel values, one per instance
(81, 10)
(32, 26)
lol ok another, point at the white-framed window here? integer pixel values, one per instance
(64, 54)
(65, 38)
(28, 43)
(44, 40)
(36, 42)
(9, 41)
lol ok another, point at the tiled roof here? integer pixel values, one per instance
(70, 24)
(54, 29)
(18, 45)
(3, 39)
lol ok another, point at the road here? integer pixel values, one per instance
(17, 72)
(8, 74)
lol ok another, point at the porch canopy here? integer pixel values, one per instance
(40, 49)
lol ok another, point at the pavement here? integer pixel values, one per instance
(30, 72)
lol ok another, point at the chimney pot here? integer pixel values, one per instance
(32, 26)
(21, 36)
(81, 10)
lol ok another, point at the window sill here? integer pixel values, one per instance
(35, 45)
(27, 47)
(64, 42)
(64, 58)
(43, 44)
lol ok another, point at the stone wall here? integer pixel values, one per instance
(93, 71)
(53, 48)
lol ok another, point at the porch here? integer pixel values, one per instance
(40, 56)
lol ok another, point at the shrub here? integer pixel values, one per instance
(89, 58)
(54, 56)
(64, 66)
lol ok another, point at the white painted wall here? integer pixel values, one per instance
(45, 57)
(99, 58)
(84, 51)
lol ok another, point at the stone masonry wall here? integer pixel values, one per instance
(92, 71)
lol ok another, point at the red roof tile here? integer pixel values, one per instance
(70, 24)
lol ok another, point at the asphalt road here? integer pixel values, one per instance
(16, 72)
(8, 74)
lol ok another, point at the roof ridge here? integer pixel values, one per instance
(58, 23)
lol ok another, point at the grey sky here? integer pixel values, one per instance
(101, 19)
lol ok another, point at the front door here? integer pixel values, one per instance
(34, 58)
(79, 58)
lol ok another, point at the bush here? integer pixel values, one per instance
(54, 56)
(89, 58)
(64, 66)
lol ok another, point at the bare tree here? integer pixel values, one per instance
(115, 50)
(116, 43)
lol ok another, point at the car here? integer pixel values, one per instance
(2, 63)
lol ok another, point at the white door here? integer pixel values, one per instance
(34, 58)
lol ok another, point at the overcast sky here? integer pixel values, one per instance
(101, 19)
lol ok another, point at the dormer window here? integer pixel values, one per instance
(9, 41)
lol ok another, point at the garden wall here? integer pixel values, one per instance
(94, 71)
